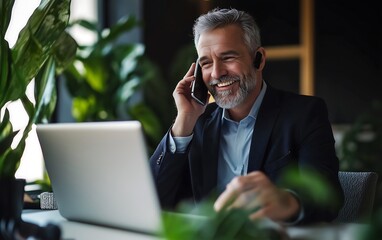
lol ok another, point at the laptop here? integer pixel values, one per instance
(100, 174)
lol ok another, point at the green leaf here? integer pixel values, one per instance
(206, 224)
(6, 7)
(5, 124)
(150, 122)
(128, 56)
(92, 26)
(42, 38)
(106, 80)
(83, 108)
(64, 49)
(6, 133)
(96, 73)
(128, 89)
(311, 184)
(12, 160)
(36, 40)
(5, 72)
(30, 110)
(45, 92)
(124, 25)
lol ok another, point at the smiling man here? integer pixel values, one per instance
(240, 146)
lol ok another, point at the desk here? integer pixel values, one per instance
(80, 231)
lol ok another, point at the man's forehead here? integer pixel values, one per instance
(221, 41)
(228, 32)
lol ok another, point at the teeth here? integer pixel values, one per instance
(224, 84)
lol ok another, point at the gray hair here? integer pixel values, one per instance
(222, 17)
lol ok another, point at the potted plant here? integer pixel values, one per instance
(112, 79)
(42, 50)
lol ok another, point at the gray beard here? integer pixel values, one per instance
(228, 99)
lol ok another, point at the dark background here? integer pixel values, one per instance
(348, 66)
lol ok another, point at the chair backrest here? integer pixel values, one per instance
(359, 190)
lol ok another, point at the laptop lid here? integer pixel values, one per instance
(100, 174)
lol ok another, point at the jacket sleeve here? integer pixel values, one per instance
(171, 174)
(316, 152)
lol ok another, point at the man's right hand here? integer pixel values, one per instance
(188, 109)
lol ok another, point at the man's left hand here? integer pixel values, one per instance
(257, 194)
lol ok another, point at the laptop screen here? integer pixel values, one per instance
(100, 174)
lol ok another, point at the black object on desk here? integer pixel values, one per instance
(11, 224)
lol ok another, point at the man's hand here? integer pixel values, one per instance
(188, 109)
(257, 194)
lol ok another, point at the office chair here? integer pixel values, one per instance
(359, 190)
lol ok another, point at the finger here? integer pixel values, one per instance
(246, 200)
(234, 188)
(260, 213)
(225, 199)
(190, 71)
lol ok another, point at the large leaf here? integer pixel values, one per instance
(6, 133)
(83, 108)
(106, 81)
(5, 15)
(11, 160)
(5, 54)
(5, 71)
(128, 56)
(36, 41)
(64, 49)
(75, 80)
(96, 73)
(45, 92)
(42, 38)
(128, 89)
(150, 122)
(92, 26)
(124, 25)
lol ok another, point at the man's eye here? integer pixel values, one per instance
(205, 64)
(228, 58)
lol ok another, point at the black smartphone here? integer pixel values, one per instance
(199, 90)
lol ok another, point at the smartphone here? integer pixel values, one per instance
(199, 90)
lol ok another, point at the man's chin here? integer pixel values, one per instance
(226, 103)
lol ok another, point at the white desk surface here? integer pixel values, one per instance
(80, 231)
(73, 230)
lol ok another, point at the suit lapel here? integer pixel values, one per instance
(266, 118)
(210, 154)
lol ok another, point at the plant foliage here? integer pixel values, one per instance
(205, 224)
(42, 50)
(112, 79)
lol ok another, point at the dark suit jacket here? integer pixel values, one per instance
(290, 130)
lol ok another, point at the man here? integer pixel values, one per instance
(240, 145)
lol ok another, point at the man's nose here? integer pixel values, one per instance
(218, 70)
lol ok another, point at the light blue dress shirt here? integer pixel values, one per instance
(235, 143)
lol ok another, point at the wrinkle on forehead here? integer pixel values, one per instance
(220, 40)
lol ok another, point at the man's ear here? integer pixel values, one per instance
(257, 60)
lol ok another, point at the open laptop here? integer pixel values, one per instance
(100, 174)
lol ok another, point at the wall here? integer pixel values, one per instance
(348, 66)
